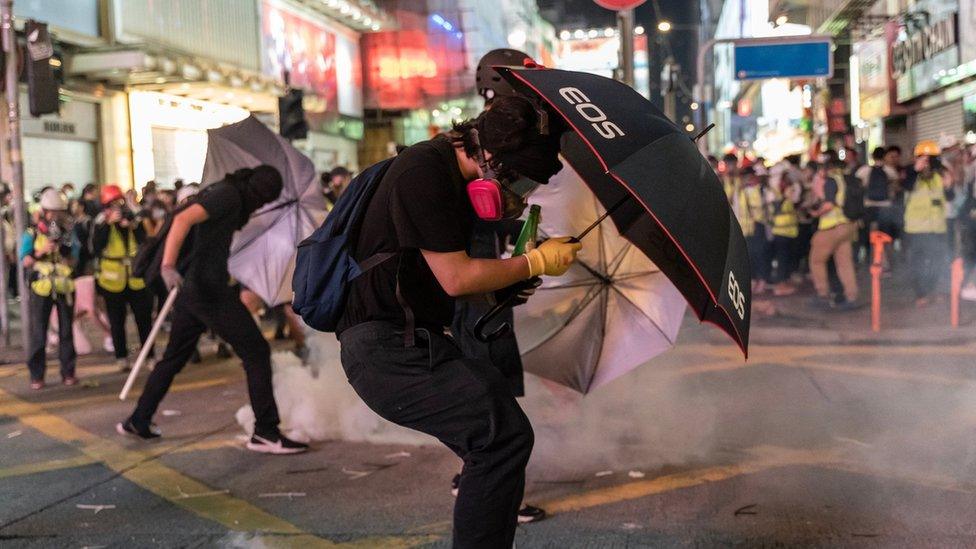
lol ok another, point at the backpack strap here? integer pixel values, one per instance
(374, 260)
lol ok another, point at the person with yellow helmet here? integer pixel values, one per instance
(49, 252)
(116, 236)
(928, 193)
(835, 233)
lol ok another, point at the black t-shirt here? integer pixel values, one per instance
(421, 204)
(206, 277)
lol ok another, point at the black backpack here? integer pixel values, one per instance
(853, 198)
(877, 184)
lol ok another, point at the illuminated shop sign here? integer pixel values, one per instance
(923, 44)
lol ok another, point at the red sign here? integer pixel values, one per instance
(303, 48)
(416, 66)
(619, 5)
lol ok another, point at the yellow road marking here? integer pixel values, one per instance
(825, 365)
(82, 460)
(872, 371)
(45, 466)
(87, 401)
(232, 513)
(768, 459)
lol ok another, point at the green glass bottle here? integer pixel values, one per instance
(530, 231)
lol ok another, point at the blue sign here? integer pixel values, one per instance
(783, 58)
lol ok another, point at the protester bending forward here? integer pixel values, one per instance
(208, 299)
(394, 349)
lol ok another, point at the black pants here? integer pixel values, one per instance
(465, 403)
(40, 310)
(233, 323)
(927, 258)
(141, 303)
(503, 352)
(758, 247)
(784, 253)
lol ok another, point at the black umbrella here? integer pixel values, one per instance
(662, 194)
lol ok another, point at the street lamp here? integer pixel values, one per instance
(664, 26)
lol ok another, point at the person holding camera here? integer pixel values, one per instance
(928, 192)
(116, 235)
(49, 252)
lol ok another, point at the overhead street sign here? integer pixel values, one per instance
(783, 57)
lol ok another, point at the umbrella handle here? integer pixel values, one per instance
(482, 323)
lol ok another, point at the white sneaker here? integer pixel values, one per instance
(108, 345)
(968, 292)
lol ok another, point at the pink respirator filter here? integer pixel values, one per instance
(486, 198)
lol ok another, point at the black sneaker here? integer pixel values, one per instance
(130, 429)
(275, 444)
(529, 514)
(455, 483)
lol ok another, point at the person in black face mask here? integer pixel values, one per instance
(208, 298)
(393, 345)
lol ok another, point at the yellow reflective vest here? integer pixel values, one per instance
(51, 274)
(114, 271)
(925, 206)
(835, 216)
(748, 207)
(785, 221)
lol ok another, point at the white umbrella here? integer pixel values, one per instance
(262, 256)
(613, 311)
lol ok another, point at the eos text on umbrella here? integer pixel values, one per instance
(592, 113)
(738, 298)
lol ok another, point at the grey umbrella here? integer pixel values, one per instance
(263, 253)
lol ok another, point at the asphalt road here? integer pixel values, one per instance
(813, 446)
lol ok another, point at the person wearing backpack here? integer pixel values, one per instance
(928, 193)
(835, 233)
(877, 195)
(208, 298)
(412, 239)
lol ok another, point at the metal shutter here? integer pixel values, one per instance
(933, 122)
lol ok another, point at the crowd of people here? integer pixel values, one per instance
(815, 220)
(78, 252)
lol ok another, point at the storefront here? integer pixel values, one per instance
(169, 135)
(932, 58)
(61, 148)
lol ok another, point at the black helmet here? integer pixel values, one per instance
(489, 83)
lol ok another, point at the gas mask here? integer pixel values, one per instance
(495, 197)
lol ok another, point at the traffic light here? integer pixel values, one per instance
(42, 87)
(292, 123)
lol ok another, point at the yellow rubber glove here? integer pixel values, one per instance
(553, 257)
